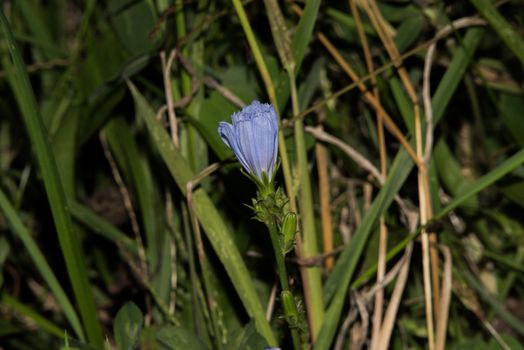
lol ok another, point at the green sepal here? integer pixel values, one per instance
(270, 206)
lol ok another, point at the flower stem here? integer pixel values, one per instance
(282, 275)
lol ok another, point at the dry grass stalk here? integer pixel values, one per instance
(381, 261)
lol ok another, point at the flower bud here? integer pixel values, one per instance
(288, 230)
(290, 308)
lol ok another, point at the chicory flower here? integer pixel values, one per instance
(253, 139)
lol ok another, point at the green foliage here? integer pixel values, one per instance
(127, 327)
(127, 225)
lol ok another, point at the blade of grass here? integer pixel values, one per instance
(99, 225)
(499, 309)
(41, 264)
(304, 32)
(510, 36)
(456, 69)
(139, 180)
(259, 59)
(208, 216)
(508, 165)
(42, 322)
(349, 21)
(69, 243)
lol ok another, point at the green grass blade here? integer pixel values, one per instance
(35, 19)
(69, 243)
(495, 304)
(510, 262)
(456, 69)
(41, 264)
(138, 177)
(510, 36)
(8, 301)
(257, 53)
(208, 216)
(349, 21)
(508, 165)
(304, 31)
(102, 227)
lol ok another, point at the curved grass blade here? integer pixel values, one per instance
(41, 264)
(43, 323)
(510, 36)
(508, 165)
(102, 227)
(69, 242)
(304, 32)
(496, 305)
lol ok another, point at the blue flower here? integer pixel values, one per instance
(253, 139)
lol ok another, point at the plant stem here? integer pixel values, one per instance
(282, 275)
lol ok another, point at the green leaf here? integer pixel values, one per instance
(513, 343)
(179, 338)
(403, 103)
(408, 32)
(42, 322)
(349, 21)
(304, 31)
(248, 339)
(127, 326)
(456, 69)
(214, 110)
(133, 22)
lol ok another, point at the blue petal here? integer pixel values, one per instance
(225, 130)
(228, 136)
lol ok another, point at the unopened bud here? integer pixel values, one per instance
(289, 228)
(290, 308)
